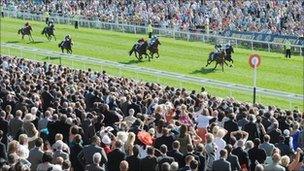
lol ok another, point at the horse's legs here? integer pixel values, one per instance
(62, 49)
(157, 54)
(215, 65)
(22, 36)
(54, 37)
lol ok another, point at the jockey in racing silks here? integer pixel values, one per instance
(140, 42)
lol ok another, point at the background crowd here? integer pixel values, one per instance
(268, 16)
(57, 118)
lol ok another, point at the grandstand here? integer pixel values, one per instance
(99, 109)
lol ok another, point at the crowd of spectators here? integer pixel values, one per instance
(57, 118)
(267, 16)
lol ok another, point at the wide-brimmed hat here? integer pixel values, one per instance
(122, 136)
(106, 140)
(145, 137)
(29, 117)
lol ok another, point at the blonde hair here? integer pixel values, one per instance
(130, 142)
(58, 137)
(22, 138)
(285, 160)
(209, 137)
(12, 147)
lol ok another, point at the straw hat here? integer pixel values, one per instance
(145, 138)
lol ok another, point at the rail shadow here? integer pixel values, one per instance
(35, 42)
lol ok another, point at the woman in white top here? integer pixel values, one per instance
(219, 133)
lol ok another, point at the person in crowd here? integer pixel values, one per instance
(95, 166)
(221, 164)
(256, 154)
(275, 164)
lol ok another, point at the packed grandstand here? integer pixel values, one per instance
(55, 118)
(283, 17)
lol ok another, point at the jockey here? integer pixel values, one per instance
(139, 42)
(153, 39)
(218, 47)
(67, 38)
(51, 23)
(26, 24)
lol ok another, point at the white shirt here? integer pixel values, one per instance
(203, 121)
(220, 143)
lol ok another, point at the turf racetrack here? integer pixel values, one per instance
(189, 58)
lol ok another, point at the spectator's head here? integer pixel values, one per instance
(228, 148)
(188, 159)
(163, 149)
(276, 158)
(58, 137)
(259, 167)
(78, 138)
(2, 114)
(18, 113)
(165, 167)
(223, 153)
(201, 148)
(194, 165)
(23, 139)
(39, 142)
(266, 138)
(189, 148)
(47, 157)
(135, 150)
(12, 147)
(131, 112)
(96, 158)
(150, 151)
(95, 140)
(66, 165)
(285, 160)
(118, 144)
(209, 138)
(174, 166)
(176, 145)
(124, 166)
(256, 142)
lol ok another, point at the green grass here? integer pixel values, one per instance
(179, 56)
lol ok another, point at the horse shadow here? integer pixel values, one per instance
(13, 42)
(130, 62)
(35, 42)
(51, 58)
(204, 70)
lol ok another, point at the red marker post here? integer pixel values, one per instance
(254, 62)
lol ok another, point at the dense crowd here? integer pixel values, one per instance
(57, 118)
(267, 16)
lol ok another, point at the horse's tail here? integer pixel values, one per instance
(43, 31)
(132, 50)
(210, 58)
(60, 44)
(19, 31)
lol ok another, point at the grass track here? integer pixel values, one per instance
(275, 72)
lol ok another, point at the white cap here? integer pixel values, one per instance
(106, 140)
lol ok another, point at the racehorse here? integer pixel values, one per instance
(153, 47)
(67, 44)
(26, 31)
(140, 49)
(218, 57)
(229, 50)
(48, 31)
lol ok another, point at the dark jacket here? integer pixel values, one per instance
(234, 161)
(221, 165)
(134, 163)
(178, 157)
(114, 159)
(86, 155)
(230, 126)
(75, 149)
(4, 127)
(256, 155)
(163, 159)
(242, 156)
(148, 163)
(252, 130)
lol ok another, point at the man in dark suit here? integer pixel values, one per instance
(164, 158)
(3, 154)
(115, 157)
(85, 156)
(75, 149)
(135, 106)
(167, 138)
(241, 154)
(36, 154)
(201, 156)
(51, 126)
(230, 126)
(233, 159)
(256, 154)
(47, 98)
(275, 134)
(149, 163)
(221, 164)
(134, 160)
(15, 124)
(176, 154)
(188, 160)
(4, 127)
(252, 129)
(95, 166)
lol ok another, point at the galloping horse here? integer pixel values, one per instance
(218, 57)
(26, 31)
(140, 49)
(229, 50)
(48, 31)
(67, 44)
(153, 47)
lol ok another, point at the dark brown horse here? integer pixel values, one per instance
(26, 31)
(153, 47)
(140, 49)
(218, 57)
